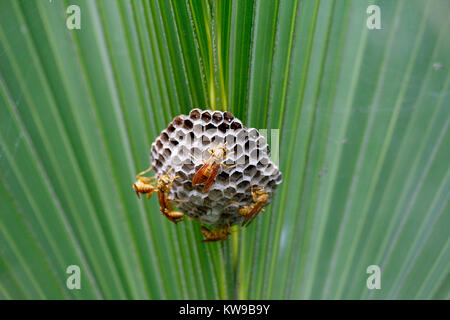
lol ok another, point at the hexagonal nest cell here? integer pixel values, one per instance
(184, 146)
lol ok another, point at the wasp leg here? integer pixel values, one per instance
(144, 172)
(175, 220)
(171, 183)
(180, 202)
(145, 180)
(229, 167)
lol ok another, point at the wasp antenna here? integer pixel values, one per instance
(144, 172)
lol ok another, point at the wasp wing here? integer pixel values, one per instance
(162, 202)
(211, 178)
(257, 208)
(199, 177)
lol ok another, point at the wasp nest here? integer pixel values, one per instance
(185, 145)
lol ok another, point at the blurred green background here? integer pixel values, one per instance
(363, 116)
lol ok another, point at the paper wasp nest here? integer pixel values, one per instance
(184, 144)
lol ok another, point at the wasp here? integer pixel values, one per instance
(164, 185)
(260, 198)
(208, 172)
(216, 235)
(144, 185)
(166, 208)
(165, 182)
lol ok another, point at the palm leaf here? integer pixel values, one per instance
(363, 120)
